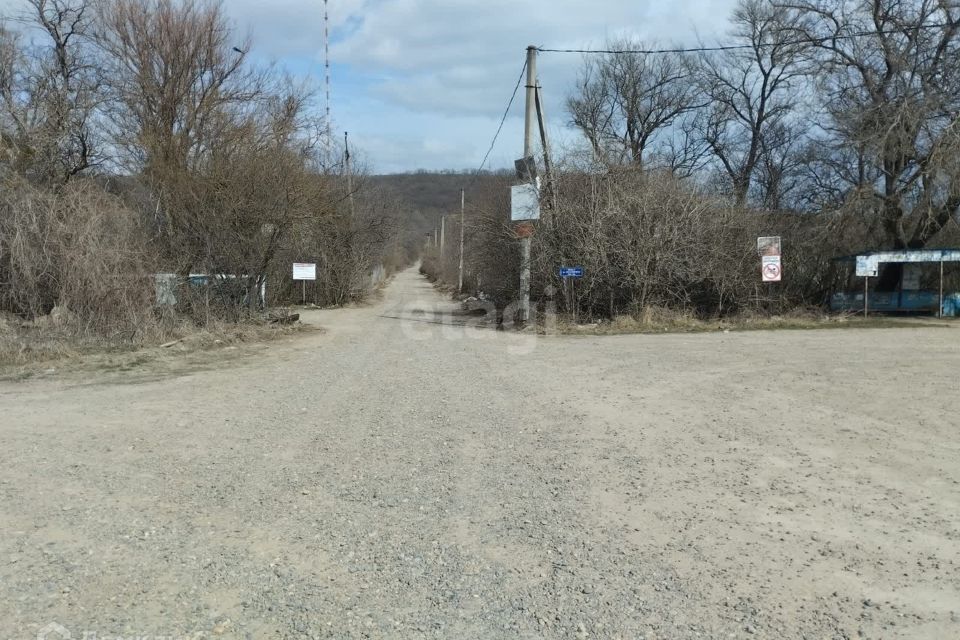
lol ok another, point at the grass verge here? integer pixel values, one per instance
(27, 353)
(661, 321)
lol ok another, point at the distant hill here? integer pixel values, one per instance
(422, 197)
(429, 191)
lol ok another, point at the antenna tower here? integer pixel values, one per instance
(326, 49)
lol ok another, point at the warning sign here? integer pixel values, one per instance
(771, 268)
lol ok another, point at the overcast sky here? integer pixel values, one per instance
(423, 83)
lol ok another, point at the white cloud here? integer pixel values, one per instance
(425, 81)
(284, 28)
(461, 58)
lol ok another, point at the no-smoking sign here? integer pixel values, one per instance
(771, 269)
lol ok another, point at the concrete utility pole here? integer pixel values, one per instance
(460, 267)
(529, 122)
(443, 233)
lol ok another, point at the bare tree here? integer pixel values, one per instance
(10, 125)
(179, 88)
(624, 102)
(779, 176)
(221, 166)
(890, 138)
(754, 94)
(50, 96)
(175, 68)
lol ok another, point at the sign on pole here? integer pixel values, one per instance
(771, 268)
(570, 276)
(524, 202)
(304, 271)
(771, 265)
(526, 169)
(768, 246)
(867, 266)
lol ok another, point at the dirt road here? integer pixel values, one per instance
(399, 477)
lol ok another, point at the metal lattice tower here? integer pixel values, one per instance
(326, 48)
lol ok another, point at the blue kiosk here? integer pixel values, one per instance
(909, 296)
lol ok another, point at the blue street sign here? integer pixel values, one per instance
(571, 272)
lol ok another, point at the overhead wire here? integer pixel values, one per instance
(740, 47)
(701, 49)
(677, 50)
(685, 50)
(496, 135)
(682, 50)
(503, 120)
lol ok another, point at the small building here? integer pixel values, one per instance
(920, 289)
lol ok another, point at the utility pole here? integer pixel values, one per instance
(346, 166)
(529, 123)
(547, 161)
(460, 267)
(940, 310)
(443, 231)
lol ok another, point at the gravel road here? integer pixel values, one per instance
(403, 476)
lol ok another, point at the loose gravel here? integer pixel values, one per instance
(404, 476)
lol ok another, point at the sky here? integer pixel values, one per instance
(422, 84)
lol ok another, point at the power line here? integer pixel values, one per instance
(476, 176)
(503, 120)
(740, 47)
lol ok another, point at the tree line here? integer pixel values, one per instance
(137, 137)
(833, 123)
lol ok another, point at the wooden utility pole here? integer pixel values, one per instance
(460, 267)
(866, 296)
(940, 308)
(529, 123)
(547, 161)
(349, 171)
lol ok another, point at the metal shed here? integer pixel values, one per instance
(868, 266)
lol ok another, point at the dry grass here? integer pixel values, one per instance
(27, 351)
(660, 320)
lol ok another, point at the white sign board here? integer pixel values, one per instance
(524, 202)
(771, 268)
(768, 246)
(867, 266)
(304, 271)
